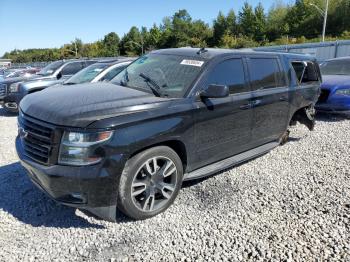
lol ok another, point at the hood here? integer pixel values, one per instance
(41, 83)
(80, 105)
(335, 81)
(12, 80)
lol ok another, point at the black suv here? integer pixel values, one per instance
(172, 115)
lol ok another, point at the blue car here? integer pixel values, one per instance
(335, 89)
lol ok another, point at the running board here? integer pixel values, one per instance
(229, 162)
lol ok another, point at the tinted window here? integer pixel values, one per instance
(298, 69)
(112, 73)
(87, 74)
(231, 74)
(265, 73)
(51, 68)
(306, 72)
(72, 68)
(90, 62)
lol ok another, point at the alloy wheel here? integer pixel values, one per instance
(154, 184)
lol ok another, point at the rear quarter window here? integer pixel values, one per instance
(306, 72)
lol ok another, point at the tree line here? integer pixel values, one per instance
(250, 27)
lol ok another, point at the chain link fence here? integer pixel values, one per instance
(322, 51)
(33, 64)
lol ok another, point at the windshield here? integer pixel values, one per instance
(87, 74)
(163, 75)
(51, 68)
(336, 67)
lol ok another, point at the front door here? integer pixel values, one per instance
(223, 125)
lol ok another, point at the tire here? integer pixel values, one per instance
(145, 191)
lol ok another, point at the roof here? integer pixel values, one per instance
(115, 60)
(210, 53)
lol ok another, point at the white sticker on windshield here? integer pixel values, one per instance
(192, 62)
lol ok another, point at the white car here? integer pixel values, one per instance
(101, 71)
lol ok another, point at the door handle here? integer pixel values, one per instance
(251, 104)
(255, 103)
(246, 106)
(283, 98)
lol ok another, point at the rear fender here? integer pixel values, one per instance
(305, 116)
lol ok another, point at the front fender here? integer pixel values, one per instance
(136, 137)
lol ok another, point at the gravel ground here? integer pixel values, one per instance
(292, 204)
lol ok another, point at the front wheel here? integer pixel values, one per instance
(150, 182)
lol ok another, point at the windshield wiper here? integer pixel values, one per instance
(123, 82)
(69, 83)
(155, 88)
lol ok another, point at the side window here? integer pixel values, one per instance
(306, 72)
(265, 73)
(72, 68)
(298, 69)
(231, 74)
(90, 62)
(112, 73)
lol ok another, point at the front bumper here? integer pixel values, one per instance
(93, 188)
(13, 98)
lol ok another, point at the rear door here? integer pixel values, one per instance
(223, 125)
(270, 98)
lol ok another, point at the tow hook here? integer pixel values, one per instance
(11, 105)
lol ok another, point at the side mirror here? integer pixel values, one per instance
(215, 91)
(59, 75)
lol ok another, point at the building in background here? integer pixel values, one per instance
(5, 62)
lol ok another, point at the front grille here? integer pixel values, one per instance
(37, 139)
(2, 90)
(323, 96)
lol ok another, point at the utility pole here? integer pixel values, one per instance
(142, 44)
(76, 49)
(324, 13)
(325, 21)
(139, 45)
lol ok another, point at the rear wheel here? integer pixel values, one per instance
(150, 182)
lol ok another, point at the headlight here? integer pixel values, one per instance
(14, 87)
(79, 149)
(345, 92)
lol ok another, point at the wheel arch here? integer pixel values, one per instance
(304, 115)
(176, 145)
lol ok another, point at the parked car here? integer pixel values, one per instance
(55, 73)
(22, 72)
(335, 89)
(101, 71)
(172, 115)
